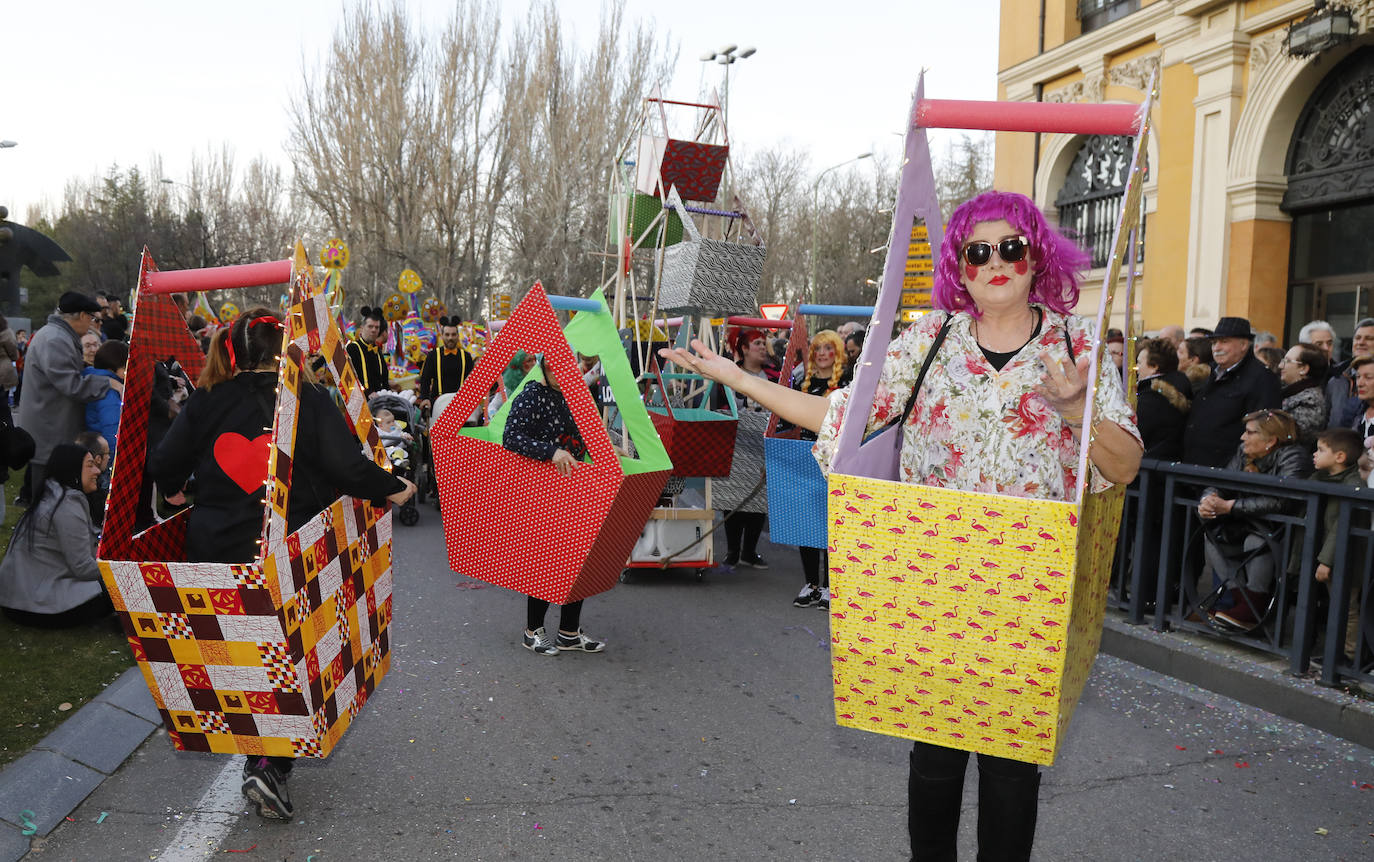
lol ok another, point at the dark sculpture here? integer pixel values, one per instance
(20, 247)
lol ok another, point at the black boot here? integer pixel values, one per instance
(935, 791)
(1008, 792)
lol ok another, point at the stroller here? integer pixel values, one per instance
(405, 449)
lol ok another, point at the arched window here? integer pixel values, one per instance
(1331, 156)
(1090, 200)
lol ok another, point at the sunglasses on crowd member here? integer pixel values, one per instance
(1010, 250)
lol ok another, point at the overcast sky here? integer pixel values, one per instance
(90, 84)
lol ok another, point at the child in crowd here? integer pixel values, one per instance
(393, 435)
(540, 426)
(1337, 460)
(102, 415)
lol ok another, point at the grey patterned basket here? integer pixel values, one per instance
(702, 275)
(747, 468)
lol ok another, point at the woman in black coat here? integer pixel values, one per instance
(222, 436)
(1163, 397)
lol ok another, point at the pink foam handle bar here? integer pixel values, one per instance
(219, 277)
(1068, 117)
(759, 322)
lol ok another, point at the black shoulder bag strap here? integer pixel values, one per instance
(925, 366)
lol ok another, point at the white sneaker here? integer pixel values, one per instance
(824, 602)
(807, 598)
(540, 642)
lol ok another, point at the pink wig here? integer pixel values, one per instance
(1058, 260)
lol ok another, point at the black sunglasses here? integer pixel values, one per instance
(1010, 250)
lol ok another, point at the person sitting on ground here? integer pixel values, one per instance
(1336, 461)
(825, 370)
(1195, 361)
(99, 448)
(1302, 372)
(49, 577)
(1163, 398)
(102, 416)
(540, 425)
(236, 401)
(1235, 523)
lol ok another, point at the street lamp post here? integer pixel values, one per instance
(200, 213)
(726, 57)
(816, 211)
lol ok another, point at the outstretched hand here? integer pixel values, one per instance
(704, 361)
(1065, 387)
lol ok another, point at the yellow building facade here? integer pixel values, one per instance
(1261, 164)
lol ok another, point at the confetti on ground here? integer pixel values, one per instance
(1181, 747)
(1321, 830)
(246, 850)
(63, 707)
(101, 818)
(1242, 764)
(26, 821)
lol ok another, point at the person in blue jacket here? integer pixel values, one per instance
(102, 415)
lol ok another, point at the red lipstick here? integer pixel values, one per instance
(999, 279)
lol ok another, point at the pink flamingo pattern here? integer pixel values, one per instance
(1038, 606)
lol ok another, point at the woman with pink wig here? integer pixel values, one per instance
(999, 410)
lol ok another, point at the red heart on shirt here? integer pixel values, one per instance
(243, 460)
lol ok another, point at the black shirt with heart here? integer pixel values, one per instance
(222, 437)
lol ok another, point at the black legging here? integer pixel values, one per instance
(1007, 798)
(742, 531)
(815, 566)
(568, 621)
(89, 611)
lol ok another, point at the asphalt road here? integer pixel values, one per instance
(706, 731)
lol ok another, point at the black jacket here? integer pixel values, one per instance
(371, 365)
(540, 423)
(1214, 422)
(443, 372)
(1162, 406)
(1290, 462)
(224, 428)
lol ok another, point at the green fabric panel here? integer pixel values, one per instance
(594, 333)
(640, 212)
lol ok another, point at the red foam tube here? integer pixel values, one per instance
(219, 277)
(1069, 117)
(759, 322)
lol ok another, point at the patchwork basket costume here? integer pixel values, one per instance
(696, 167)
(273, 656)
(963, 619)
(513, 521)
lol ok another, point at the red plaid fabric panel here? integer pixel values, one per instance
(159, 332)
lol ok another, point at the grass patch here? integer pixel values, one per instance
(41, 670)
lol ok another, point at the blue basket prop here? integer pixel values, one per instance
(796, 486)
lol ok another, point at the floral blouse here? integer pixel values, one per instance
(978, 429)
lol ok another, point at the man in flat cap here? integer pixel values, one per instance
(55, 393)
(1240, 384)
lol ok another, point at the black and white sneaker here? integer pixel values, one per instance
(264, 784)
(755, 562)
(824, 602)
(540, 642)
(577, 643)
(808, 597)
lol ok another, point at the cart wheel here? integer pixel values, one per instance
(701, 575)
(624, 576)
(409, 515)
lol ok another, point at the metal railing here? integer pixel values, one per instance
(1159, 561)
